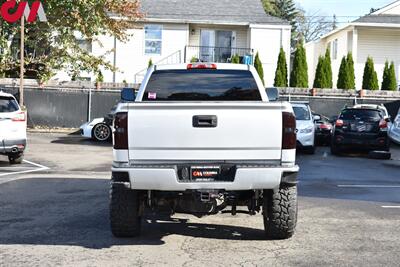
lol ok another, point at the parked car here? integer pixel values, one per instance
(12, 129)
(323, 130)
(394, 131)
(361, 128)
(99, 129)
(199, 139)
(381, 107)
(305, 127)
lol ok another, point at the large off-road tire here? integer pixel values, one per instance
(16, 158)
(280, 212)
(125, 216)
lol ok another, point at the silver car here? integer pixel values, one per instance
(394, 131)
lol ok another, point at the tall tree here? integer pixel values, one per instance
(311, 26)
(370, 78)
(284, 9)
(53, 45)
(281, 74)
(389, 82)
(259, 67)
(299, 74)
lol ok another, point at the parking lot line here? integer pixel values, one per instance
(391, 207)
(37, 169)
(369, 186)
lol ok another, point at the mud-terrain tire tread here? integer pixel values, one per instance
(280, 212)
(124, 212)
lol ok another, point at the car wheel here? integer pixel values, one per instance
(280, 212)
(125, 216)
(101, 132)
(16, 158)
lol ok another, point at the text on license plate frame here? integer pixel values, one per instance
(205, 173)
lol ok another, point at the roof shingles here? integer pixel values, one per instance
(389, 19)
(216, 11)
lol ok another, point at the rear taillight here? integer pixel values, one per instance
(383, 124)
(339, 123)
(19, 117)
(121, 131)
(201, 66)
(288, 131)
(325, 127)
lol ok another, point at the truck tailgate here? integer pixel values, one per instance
(166, 131)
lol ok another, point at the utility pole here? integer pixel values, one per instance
(22, 63)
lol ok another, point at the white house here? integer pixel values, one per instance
(209, 30)
(376, 35)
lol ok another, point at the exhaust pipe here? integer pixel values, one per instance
(14, 150)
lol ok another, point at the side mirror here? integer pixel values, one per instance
(128, 95)
(273, 94)
(317, 117)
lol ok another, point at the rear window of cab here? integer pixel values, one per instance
(8, 104)
(201, 85)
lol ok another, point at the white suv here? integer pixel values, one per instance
(305, 127)
(12, 129)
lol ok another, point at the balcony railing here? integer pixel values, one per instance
(216, 54)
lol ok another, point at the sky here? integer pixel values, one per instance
(345, 10)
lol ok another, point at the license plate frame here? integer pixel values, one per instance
(206, 173)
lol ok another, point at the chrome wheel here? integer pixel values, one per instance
(101, 132)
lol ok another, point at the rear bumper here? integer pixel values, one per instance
(166, 179)
(12, 146)
(366, 141)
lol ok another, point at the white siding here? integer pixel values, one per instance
(381, 45)
(267, 42)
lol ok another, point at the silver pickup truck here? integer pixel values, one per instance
(201, 139)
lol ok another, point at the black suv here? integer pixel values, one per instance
(361, 128)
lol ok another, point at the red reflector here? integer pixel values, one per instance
(289, 137)
(121, 131)
(19, 117)
(383, 124)
(201, 66)
(339, 123)
(325, 126)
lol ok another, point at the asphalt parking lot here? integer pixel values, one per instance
(54, 211)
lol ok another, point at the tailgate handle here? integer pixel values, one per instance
(205, 121)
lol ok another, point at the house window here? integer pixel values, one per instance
(153, 39)
(85, 45)
(335, 49)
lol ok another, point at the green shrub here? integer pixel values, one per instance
(389, 82)
(320, 75)
(328, 82)
(259, 67)
(341, 82)
(351, 78)
(235, 59)
(281, 74)
(299, 75)
(370, 78)
(150, 63)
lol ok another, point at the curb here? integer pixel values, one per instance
(58, 130)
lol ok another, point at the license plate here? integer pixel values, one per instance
(204, 173)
